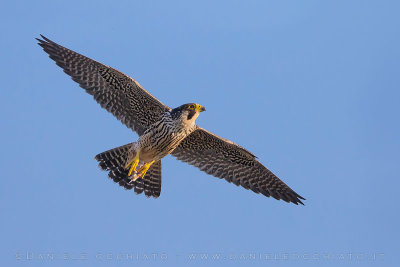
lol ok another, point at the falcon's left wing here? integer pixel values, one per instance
(224, 159)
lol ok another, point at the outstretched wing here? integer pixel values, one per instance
(116, 92)
(224, 159)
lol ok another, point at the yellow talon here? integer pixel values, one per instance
(133, 167)
(142, 171)
(134, 162)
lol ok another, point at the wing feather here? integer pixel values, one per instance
(114, 91)
(224, 159)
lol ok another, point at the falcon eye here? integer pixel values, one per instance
(191, 106)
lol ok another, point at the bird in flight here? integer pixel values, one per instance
(162, 131)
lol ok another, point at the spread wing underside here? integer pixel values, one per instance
(224, 159)
(114, 91)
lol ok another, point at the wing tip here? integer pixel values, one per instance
(297, 200)
(289, 197)
(43, 40)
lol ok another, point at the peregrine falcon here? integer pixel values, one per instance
(162, 131)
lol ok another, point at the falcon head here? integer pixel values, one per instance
(187, 112)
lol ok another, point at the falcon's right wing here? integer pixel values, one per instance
(113, 90)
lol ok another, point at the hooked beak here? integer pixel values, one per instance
(201, 108)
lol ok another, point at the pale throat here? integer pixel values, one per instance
(188, 125)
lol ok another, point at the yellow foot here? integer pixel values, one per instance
(133, 163)
(142, 171)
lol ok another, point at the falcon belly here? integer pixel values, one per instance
(162, 138)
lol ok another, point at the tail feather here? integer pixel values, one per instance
(114, 161)
(152, 180)
(113, 158)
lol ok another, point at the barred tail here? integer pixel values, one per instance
(114, 161)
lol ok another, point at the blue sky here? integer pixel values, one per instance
(310, 87)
